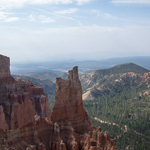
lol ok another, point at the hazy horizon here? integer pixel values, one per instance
(36, 31)
(84, 65)
(73, 60)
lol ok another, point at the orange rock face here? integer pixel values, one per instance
(4, 65)
(68, 103)
(26, 124)
(20, 101)
(2, 119)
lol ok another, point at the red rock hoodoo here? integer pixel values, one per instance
(68, 103)
(26, 122)
(20, 101)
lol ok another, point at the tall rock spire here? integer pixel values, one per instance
(68, 103)
(4, 65)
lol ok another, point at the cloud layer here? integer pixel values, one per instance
(4, 4)
(130, 1)
(67, 11)
(95, 42)
(39, 30)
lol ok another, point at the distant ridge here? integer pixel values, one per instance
(123, 68)
(45, 75)
(85, 66)
(49, 86)
(104, 81)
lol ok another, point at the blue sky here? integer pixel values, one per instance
(47, 30)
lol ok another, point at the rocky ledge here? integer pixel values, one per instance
(26, 122)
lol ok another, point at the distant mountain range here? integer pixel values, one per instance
(44, 75)
(85, 66)
(94, 84)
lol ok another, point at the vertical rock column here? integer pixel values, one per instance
(3, 124)
(68, 103)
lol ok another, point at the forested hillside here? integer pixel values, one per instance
(44, 75)
(113, 80)
(121, 105)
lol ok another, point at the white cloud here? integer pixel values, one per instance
(105, 15)
(20, 3)
(130, 1)
(58, 15)
(67, 11)
(32, 18)
(109, 16)
(5, 4)
(81, 2)
(3, 15)
(49, 1)
(97, 12)
(11, 19)
(11, 3)
(44, 19)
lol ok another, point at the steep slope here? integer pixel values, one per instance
(126, 115)
(113, 80)
(120, 103)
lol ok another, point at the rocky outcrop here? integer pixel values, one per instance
(4, 65)
(71, 122)
(44, 135)
(26, 124)
(5, 76)
(97, 140)
(146, 76)
(68, 103)
(20, 101)
(3, 124)
(48, 86)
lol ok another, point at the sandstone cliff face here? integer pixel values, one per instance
(20, 101)
(3, 124)
(68, 103)
(4, 65)
(25, 122)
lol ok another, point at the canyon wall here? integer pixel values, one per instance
(27, 124)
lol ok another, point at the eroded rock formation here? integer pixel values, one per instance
(20, 101)
(68, 103)
(26, 124)
(146, 76)
(4, 66)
